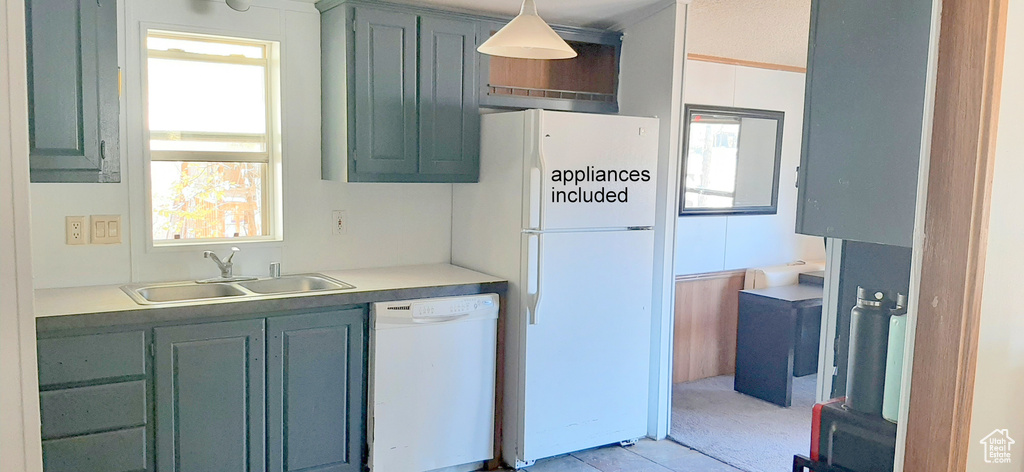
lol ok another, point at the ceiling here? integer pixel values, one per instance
(772, 31)
(589, 13)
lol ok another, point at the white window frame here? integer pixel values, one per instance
(272, 194)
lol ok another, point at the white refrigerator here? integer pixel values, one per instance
(565, 210)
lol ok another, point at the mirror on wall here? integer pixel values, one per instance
(731, 161)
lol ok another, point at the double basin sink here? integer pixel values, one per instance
(179, 292)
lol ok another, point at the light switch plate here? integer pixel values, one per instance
(105, 229)
(76, 233)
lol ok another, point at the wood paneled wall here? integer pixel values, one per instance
(595, 70)
(707, 310)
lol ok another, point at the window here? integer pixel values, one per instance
(732, 161)
(213, 158)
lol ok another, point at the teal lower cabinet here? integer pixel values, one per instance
(315, 392)
(94, 402)
(210, 409)
(264, 394)
(121, 451)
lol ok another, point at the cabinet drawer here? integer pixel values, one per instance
(89, 409)
(98, 356)
(117, 451)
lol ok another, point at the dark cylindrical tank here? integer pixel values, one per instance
(869, 338)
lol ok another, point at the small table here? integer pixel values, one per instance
(777, 339)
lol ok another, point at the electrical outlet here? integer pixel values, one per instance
(339, 222)
(75, 230)
(105, 229)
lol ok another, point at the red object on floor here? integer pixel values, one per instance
(816, 428)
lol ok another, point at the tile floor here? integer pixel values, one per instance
(645, 456)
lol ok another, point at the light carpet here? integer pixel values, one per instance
(740, 430)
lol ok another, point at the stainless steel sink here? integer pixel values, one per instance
(179, 292)
(294, 284)
(183, 292)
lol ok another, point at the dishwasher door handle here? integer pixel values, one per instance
(411, 320)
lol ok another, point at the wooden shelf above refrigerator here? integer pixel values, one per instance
(587, 83)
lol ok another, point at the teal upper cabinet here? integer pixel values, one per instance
(399, 96)
(385, 93)
(73, 83)
(867, 74)
(449, 113)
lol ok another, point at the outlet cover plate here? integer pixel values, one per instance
(75, 230)
(105, 229)
(339, 222)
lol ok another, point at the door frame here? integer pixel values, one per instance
(952, 260)
(20, 444)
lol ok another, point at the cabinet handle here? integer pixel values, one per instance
(103, 150)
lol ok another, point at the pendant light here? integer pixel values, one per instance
(239, 5)
(527, 36)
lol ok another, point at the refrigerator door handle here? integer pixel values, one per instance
(539, 192)
(537, 171)
(533, 294)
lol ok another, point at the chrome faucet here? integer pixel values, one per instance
(226, 266)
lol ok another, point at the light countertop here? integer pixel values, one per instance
(378, 284)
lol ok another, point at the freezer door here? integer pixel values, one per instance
(587, 316)
(593, 171)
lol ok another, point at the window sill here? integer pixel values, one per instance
(186, 245)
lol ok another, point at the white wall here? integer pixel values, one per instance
(650, 84)
(20, 448)
(999, 381)
(389, 224)
(717, 243)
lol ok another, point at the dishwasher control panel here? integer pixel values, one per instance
(445, 307)
(431, 309)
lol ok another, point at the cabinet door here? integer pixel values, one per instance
(863, 113)
(385, 92)
(316, 399)
(449, 114)
(210, 397)
(73, 90)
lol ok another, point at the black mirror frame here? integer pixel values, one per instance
(772, 209)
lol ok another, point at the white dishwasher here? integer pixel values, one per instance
(432, 377)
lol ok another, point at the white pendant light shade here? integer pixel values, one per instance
(239, 5)
(527, 36)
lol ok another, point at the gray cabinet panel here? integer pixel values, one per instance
(385, 92)
(73, 90)
(109, 90)
(864, 106)
(448, 110)
(117, 451)
(87, 358)
(336, 109)
(210, 397)
(315, 399)
(91, 409)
